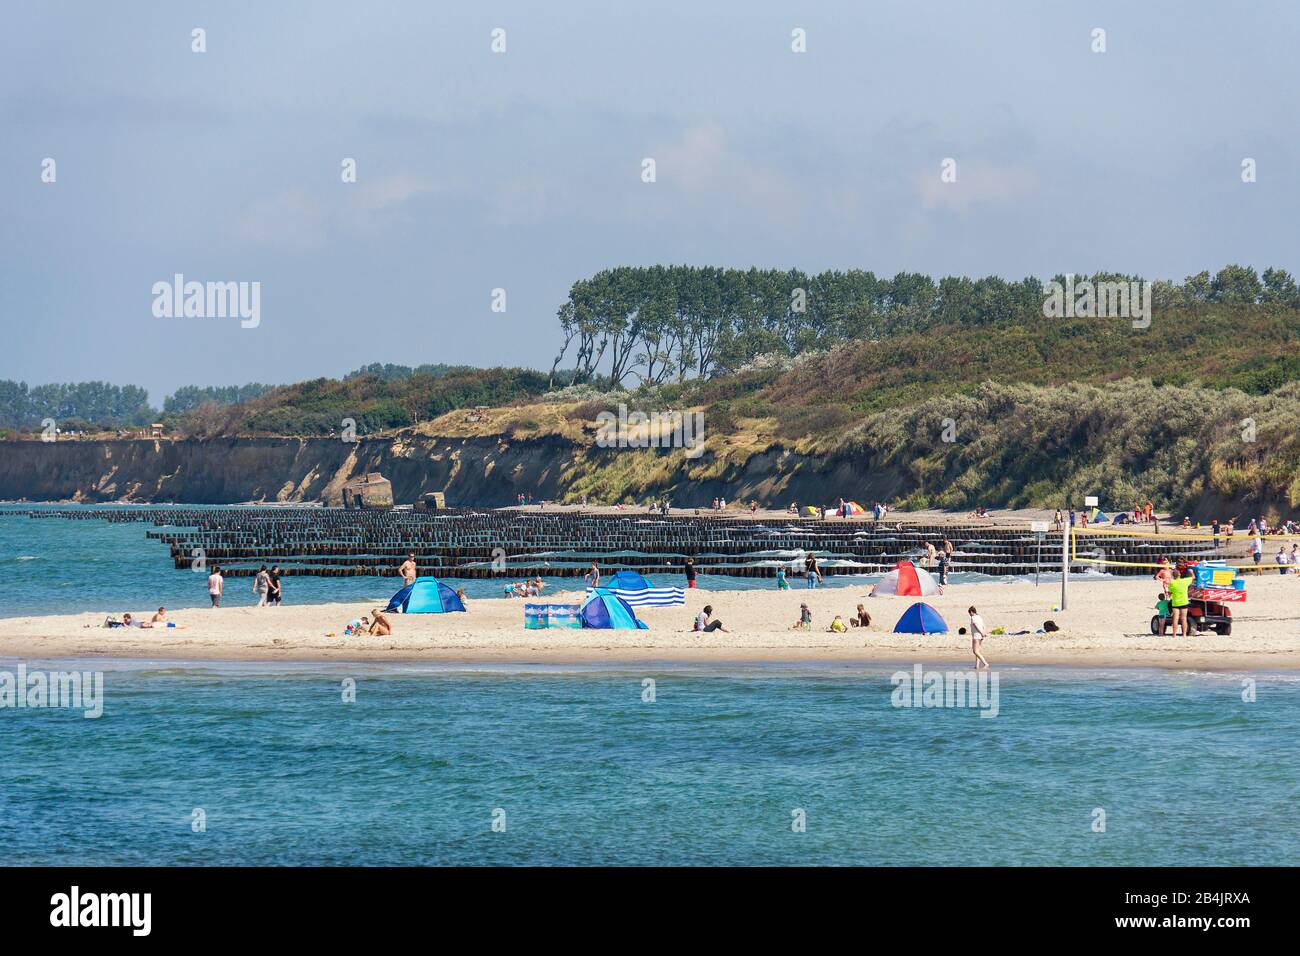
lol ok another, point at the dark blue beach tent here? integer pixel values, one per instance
(920, 618)
(425, 596)
(605, 610)
(629, 581)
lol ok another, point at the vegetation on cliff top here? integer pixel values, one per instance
(851, 364)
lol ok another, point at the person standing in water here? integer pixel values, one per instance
(593, 576)
(216, 584)
(261, 585)
(408, 570)
(811, 572)
(274, 593)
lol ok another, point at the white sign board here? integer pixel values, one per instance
(1090, 501)
(1040, 527)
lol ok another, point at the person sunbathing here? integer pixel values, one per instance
(381, 626)
(127, 621)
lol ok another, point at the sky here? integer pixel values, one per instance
(521, 170)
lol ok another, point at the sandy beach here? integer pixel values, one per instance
(1107, 625)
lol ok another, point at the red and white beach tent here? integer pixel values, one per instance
(908, 580)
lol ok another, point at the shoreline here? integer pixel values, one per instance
(1206, 663)
(1104, 627)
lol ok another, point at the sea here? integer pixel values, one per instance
(644, 764)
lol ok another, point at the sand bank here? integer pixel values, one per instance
(1106, 626)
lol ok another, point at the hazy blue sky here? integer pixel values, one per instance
(522, 170)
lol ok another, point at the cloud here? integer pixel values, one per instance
(292, 219)
(975, 184)
(385, 193)
(703, 162)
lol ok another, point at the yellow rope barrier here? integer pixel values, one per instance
(1238, 535)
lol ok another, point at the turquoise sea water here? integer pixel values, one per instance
(587, 772)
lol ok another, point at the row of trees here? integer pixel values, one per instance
(103, 405)
(189, 397)
(630, 325)
(91, 403)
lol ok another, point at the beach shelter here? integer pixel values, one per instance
(908, 580)
(628, 581)
(425, 596)
(853, 508)
(920, 618)
(812, 511)
(605, 610)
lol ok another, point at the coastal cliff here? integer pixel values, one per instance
(473, 471)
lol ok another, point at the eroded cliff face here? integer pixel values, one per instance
(481, 471)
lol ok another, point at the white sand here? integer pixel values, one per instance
(1106, 625)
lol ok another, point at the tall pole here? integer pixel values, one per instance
(1065, 557)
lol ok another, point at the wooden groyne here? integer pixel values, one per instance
(332, 542)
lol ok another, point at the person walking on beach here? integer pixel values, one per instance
(216, 583)
(690, 572)
(811, 572)
(274, 593)
(781, 583)
(1257, 552)
(408, 570)
(977, 634)
(261, 585)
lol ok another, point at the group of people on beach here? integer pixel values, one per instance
(267, 586)
(837, 626)
(530, 588)
(159, 619)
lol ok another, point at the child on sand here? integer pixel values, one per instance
(1162, 608)
(861, 619)
(805, 619)
(837, 625)
(781, 583)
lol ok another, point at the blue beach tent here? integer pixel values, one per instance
(425, 596)
(920, 618)
(628, 581)
(606, 610)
